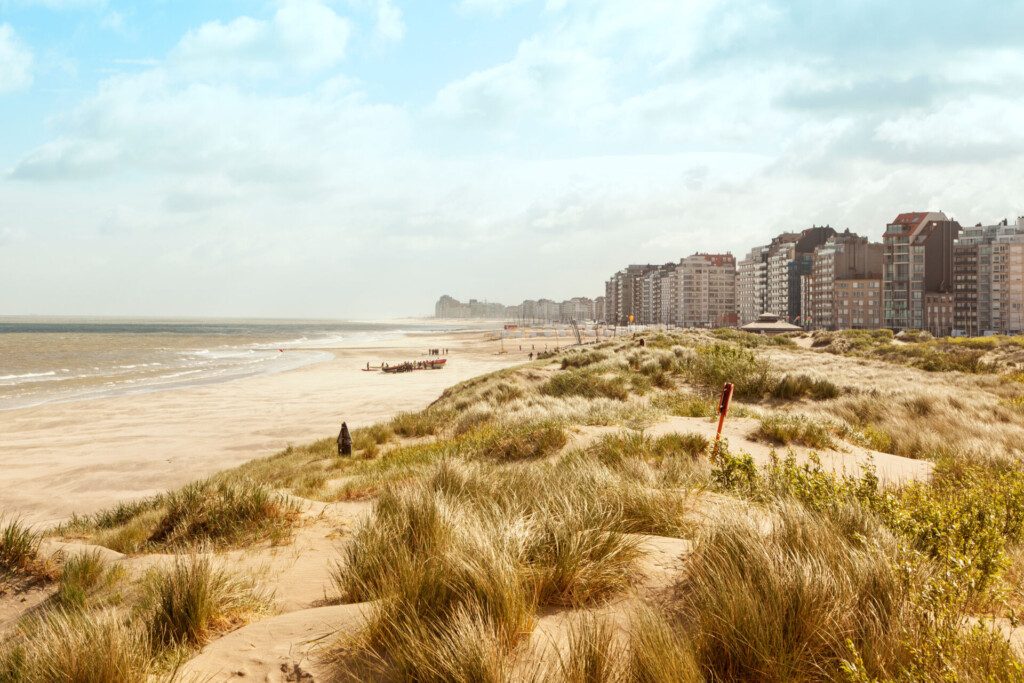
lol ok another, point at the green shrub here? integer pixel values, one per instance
(716, 364)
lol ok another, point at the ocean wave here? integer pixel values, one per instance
(29, 378)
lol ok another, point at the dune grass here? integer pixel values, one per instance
(794, 387)
(586, 383)
(227, 512)
(781, 606)
(82, 576)
(787, 430)
(19, 552)
(483, 521)
(78, 647)
(475, 549)
(194, 599)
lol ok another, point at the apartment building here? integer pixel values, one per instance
(751, 280)
(1008, 280)
(791, 256)
(706, 290)
(578, 308)
(917, 260)
(624, 295)
(849, 259)
(978, 287)
(857, 303)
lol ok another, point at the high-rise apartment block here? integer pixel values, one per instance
(918, 260)
(844, 288)
(707, 291)
(770, 278)
(983, 277)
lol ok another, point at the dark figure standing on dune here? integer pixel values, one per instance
(344, 440)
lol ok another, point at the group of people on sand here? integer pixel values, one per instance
(437, 352)
(533, 348)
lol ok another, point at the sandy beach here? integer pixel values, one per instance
(78, 457)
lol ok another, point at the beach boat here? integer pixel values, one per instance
(400, 367)
(409, 366)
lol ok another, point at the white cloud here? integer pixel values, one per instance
(15, 61)
(390, 22)
(616, 132)
(303, 35)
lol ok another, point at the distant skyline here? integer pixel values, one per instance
(359, 158)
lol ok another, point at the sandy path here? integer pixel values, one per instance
(282, 648)
(81, 456)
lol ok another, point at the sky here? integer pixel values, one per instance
(360, 158)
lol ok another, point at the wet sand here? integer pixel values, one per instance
(81, 456)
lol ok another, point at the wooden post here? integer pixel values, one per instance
(723, 410)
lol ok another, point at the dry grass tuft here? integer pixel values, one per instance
(77, 647)
(225, 513)
(193, 600)
(19, 553)
(83, 575)
(795, 429)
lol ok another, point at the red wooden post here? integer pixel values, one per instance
(723, 410)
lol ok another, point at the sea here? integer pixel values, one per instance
(45, 360)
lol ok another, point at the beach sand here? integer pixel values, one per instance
(82, 456)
